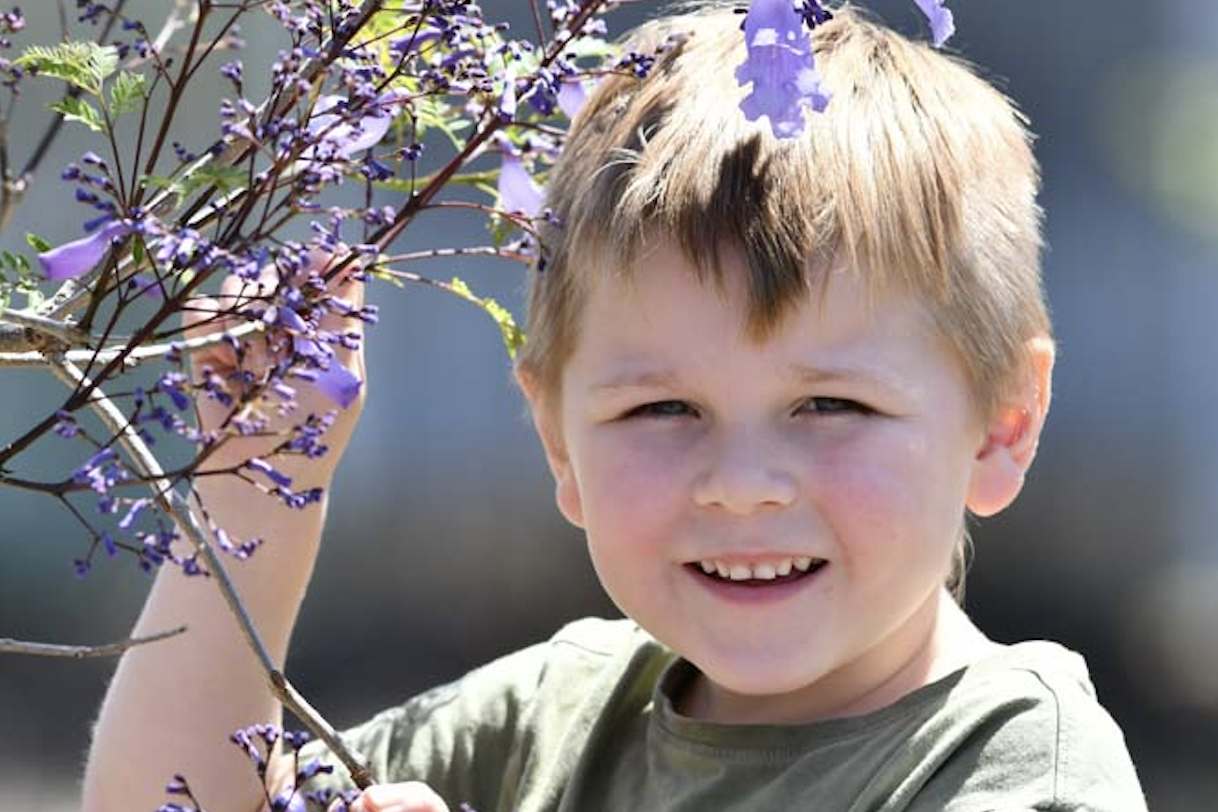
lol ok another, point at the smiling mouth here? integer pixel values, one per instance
(760, 573)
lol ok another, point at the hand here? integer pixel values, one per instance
(235, 294)
(412, 796)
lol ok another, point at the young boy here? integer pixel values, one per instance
(771, 379)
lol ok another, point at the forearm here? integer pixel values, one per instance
(173, 704)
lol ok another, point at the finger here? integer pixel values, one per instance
(198, 315)
(341, 316)
(348, 291)
(411, 796)
(200, 318)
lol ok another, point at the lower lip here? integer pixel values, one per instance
(755, 591)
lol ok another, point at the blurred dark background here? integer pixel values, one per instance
(443, 545)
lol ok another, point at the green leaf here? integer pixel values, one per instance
(203, 176)
(74, 108)
(80, 63)
(513, 336)
(127, 93)
(17, 263)
(37, 243)
(224, 178)
(34, 298)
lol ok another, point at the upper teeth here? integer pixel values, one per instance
(762, 570)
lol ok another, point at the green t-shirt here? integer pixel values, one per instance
(584, 723)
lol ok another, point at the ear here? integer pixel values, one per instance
(1012, 435)
(547, 421)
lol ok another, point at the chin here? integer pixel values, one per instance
(761, 677)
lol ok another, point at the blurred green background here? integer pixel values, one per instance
(444, 548)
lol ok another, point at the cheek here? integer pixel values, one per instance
(890, 492)
(631, 486)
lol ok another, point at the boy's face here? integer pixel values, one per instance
(821, 477)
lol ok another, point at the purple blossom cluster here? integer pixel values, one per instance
(781, 67)
(257, 742)
(353, 98)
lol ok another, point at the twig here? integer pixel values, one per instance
(68, 333)
(36, 358)
(173, 504)
(449, 253)
(11, 646)
(20, 357)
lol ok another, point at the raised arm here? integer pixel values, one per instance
(173, 705)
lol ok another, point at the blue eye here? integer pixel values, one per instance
(834, 406)
(663, 408)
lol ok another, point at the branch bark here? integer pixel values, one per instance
(10, 646)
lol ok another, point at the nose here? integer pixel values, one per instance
(745, 472)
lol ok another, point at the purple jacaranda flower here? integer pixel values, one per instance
(942, 26)
(331, 378)
(507, 101)
(338, 383)
(571, 96)
(262, 466)
(814, 13)
(518, 192)
(72, 259)
(175, 385)
(285, 317)
(344, 137)
(296, 738)
(780, 67)
(145, 285)
(132, 514)
(288, 800)
(312, 768)
(66, 425)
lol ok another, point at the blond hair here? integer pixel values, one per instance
(919, 174)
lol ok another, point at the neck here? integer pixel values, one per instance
(950, 641)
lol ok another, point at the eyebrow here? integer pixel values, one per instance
(878, 380)
(801, 373)
(636, 380)
(818, 375)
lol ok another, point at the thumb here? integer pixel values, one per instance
(410, 796)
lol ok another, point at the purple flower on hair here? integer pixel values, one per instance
(518, 192)
(942, 25)
(75, 258)
(780, 67)
(814, 13)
